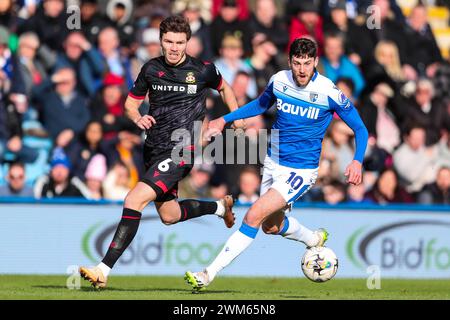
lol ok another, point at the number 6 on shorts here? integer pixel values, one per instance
(164, 165)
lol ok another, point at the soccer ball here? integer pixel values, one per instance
(319, 264)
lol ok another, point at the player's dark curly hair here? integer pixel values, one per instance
(303, 48)
(177, 24)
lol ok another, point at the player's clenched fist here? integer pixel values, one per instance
(354, 172)
(145, 122)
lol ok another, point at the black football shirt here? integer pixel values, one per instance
(177, 96)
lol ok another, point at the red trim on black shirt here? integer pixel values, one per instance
(220, 84)
(136, 97)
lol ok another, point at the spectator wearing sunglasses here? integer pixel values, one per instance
(15, 179)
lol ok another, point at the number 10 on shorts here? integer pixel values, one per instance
(295, 181)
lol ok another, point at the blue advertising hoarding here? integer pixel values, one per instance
(49, 238)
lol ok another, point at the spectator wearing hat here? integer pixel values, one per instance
(231, 62)
(108, 107)
(80, 55)
(59, 182)
(228, 23)
(151, 47)
(15, 179)
(95, 175)
(307, 22)
(60, 105)
(204, 8)
(266, 22)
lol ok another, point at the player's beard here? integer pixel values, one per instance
(305, 81)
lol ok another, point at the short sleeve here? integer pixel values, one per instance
(212, 76)
(140, 86)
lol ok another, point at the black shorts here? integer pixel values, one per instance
(162, 174)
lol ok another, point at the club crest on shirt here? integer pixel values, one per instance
(190, 78)
(313, 96)
(343, 100)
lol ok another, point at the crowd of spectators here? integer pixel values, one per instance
(64, 133)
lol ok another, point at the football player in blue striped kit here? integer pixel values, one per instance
(306, 102)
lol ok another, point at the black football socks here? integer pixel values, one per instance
(125, 233)
(192, 208)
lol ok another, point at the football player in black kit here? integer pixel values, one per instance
(177, 86)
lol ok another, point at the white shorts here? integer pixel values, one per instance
(291, 183)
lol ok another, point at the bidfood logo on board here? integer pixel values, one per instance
(414, 245)
(158, 248)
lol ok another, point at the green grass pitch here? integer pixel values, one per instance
(224, 288)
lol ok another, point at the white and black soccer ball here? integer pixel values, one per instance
(319, 264)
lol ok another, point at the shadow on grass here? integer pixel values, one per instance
(115, 289)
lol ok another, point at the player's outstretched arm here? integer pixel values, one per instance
(251, 109)
(132, 112)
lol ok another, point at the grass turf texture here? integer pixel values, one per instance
(224, 288)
